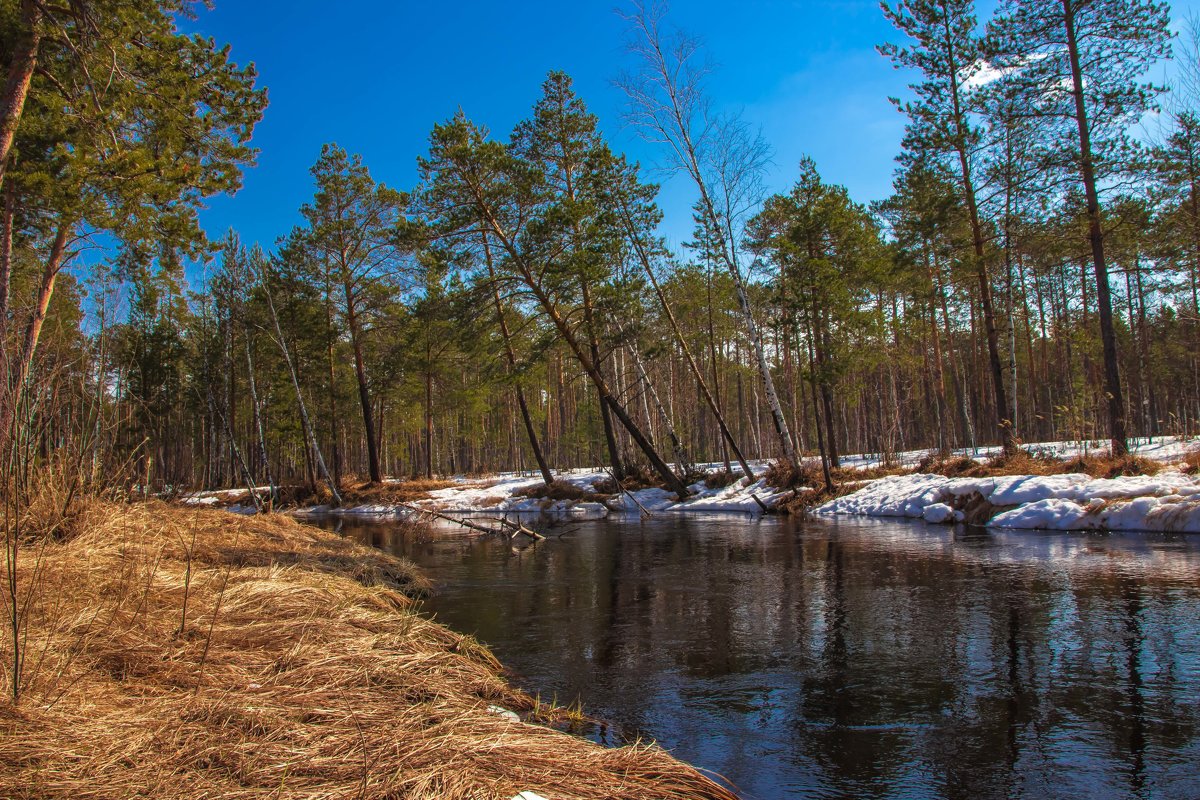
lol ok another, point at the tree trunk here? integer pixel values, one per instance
(610, 436)
(258, 423)
(510, 356)
(20, 72)
(682, 464)
(6, 243)
(709, 399)
(364, 397)
(1144, 345)
(305, 421)
(1008, 437)
(939, 374)
(12, 387)
(336, 450)
(1108, 337)
(429, 424)
(821, 448)
(664, 471)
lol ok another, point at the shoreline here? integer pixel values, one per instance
(200, 653)
(1162, 495)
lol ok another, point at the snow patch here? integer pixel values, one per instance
(1169, 501)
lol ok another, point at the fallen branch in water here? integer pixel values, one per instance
(507, 528)
(622, 490)
(517, 528)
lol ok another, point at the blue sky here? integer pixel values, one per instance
(374, 76)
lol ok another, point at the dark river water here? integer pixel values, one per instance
(852, 659)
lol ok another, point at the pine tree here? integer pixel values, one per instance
(1079, 65)
(562, 143)
(354, 231)
(132, 153)
(827, 251)
(473, 185)
(947, 52)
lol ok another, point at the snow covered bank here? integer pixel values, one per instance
(503, 495)
(216, 497)
(1169, 501)
(1158, 448)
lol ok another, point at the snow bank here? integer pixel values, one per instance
(215, 497)
(497, 496)
(1169, 501)
(1159, 448)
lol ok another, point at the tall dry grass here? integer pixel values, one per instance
(1100, 464)
(189, 653)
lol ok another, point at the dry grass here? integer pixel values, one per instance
(721, 478)
(194, 653)
(853, 474)
(637, 476)
(951, 467)
(1097, 465)
(808, 474)
(356, 492)
(782, 474)
(1105, 466)
(558, 490)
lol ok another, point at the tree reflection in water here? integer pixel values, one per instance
(859, 658)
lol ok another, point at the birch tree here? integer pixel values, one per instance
(723, 157)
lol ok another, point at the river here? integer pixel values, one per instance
(851, 659)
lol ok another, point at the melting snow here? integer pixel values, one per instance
(1169, 501)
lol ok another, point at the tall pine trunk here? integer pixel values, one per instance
(511, 358)
(21, 66)
(1108, 337)
(364, 396)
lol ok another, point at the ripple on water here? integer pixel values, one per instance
(852, 658)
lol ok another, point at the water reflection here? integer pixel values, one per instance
(853, 659)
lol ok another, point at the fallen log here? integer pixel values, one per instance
(516, 528)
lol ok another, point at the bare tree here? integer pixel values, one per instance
(720, 153)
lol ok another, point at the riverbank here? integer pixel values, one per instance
(173, 652)
(1155, 490)
(1055, 485)
(578, 494)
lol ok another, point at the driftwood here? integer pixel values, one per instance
(507, 529)
(516, 528)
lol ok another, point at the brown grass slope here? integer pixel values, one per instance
(195, 654)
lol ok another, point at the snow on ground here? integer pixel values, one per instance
(1158, 448)
(1169, 501)
(218, 496)
(498, 496)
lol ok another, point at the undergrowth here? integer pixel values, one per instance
(558, 490)
(1023, 462)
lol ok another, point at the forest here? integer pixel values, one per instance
(1033, 276)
